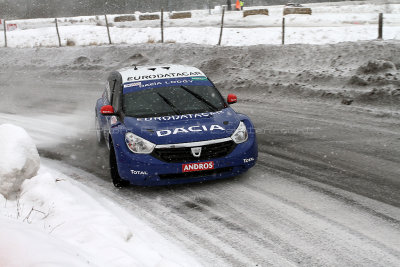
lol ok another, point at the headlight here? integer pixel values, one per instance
(240, 135)
(137, 144)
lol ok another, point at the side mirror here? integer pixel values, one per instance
(232, 98)
(107, 110)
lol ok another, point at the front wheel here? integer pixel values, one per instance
(116, 179)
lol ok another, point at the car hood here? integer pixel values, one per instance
(185, 128)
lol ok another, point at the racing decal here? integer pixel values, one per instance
(199, 78)
(203, 166)
(196, 128)
(132, 84)
(139, 172)
(181, 117)
(131, 87)
(248, 160)
(164, 76)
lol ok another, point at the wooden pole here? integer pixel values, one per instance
(222, 26)
(162, 25)
(380, 28)
(5, 33)
(108, 30)
(58, 33)
(283, 31)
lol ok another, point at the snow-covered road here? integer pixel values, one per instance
(305, 203)
(326, 189)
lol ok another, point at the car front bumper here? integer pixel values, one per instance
(147, 170)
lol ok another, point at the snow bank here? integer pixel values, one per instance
(60, 222)
(85, 35)
(30, 246)
(20, 158)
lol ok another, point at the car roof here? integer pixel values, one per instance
(144, 73)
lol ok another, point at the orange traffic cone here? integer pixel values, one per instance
(237, 5)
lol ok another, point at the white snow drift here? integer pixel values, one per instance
(56, 221)
(19, 160)
(25, 245)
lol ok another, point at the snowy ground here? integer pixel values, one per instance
(53, 220)
(326, 189)
(59, 222)
(330, 23)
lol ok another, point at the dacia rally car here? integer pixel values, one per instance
(170, 125)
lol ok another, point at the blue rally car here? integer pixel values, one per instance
(170, 125)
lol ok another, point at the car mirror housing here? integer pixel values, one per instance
(107, 110)
(232, 98)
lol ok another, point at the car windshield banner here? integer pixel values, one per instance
(131, 87)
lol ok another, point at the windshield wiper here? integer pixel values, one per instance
(199, 97)
(175, 109)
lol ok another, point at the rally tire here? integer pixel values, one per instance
(99, 133)
(116, 178)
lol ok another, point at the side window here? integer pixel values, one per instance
(107, 92)
(111, 89)
(114, 85)
(116, 96)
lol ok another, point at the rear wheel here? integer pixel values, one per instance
(99, 132)
(116, 179)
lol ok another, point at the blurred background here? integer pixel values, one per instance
(25, 9)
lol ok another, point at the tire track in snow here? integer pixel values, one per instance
(239, 222)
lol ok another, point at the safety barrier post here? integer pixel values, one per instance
(283, 31)
(162, 25)
(5, 33)
(108, 30)
(58, 33)
(222, 26)
(380, 28)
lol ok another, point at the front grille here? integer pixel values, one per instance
(184, 154)
(189, 175)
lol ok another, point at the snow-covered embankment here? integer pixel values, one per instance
(47, 219)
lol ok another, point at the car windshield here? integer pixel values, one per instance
(173, 100)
